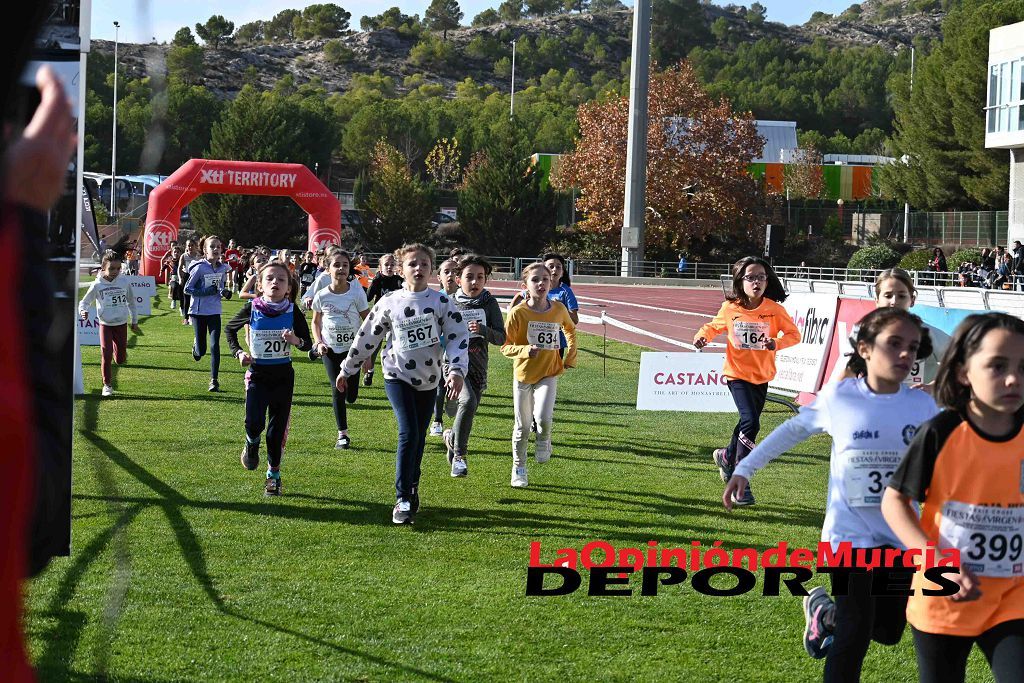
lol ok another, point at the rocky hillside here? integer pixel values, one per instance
(226, 69)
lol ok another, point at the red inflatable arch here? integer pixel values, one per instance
(206, 176)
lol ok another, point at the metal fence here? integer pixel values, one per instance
(965, 228)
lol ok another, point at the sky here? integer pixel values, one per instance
(143, 20)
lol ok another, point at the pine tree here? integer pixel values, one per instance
(216, 30)
(443, 15)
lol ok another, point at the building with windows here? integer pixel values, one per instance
(1004, 113)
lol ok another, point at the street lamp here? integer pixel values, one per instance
(512, 98)
(113, 152)
(839, 203)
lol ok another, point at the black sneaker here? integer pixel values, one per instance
(214, 385)
(817, 635)
(402, 512)
(368, 379)
(250, 455)
(313, 355)
(196, 356)
(746, 498)
(343, 442)
(725, 468)
(273, 487)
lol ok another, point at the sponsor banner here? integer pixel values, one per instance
(799, 368)
(688, 382)
(849, 314)
(88, 329)
(143, 289)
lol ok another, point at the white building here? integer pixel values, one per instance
(1004, 115)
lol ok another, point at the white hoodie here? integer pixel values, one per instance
(115, 303)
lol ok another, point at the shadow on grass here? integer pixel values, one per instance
(63, 639)
(594, 352)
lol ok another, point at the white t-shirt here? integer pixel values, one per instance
(870, 434)
(321, 282)
(341, 319)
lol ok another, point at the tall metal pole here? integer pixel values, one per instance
(512, 99)
(113, 152)
(906, 205)
(632, 240)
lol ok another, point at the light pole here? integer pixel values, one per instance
(633, 219)
(512, 99)
(113, 152)
(842, 228)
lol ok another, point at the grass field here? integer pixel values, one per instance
(182, 570)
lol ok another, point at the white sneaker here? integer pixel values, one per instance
(519, 477)
(108, 390)
(543, 452)
(402, 512)
(459, 467)
(436, 429)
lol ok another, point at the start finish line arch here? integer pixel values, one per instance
(207, 176)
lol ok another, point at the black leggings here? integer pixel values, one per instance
(268, 402)
(859, 619)
(203, 326)
(332, 363)
(749, 399)
(943, 659)
(186, 301)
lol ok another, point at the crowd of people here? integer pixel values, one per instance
(996, 268)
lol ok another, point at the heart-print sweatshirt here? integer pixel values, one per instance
(413, 324)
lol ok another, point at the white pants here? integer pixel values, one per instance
(536, 403)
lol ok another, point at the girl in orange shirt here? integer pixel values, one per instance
(753, 317)
(966, 468)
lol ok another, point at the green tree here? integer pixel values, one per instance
(321, 21)
(443, 15)
(488, 17)
(511, 10)
(756, 14)
(504, 206)
(194, 111)
(677, 26)
(183, 37)
(542, 8)
(605, 5)
(400, 202)
(431, 52)
(216, 30)
(185, 63)
(337, 53)
(393, 18)
(282, 26)
(251, 33)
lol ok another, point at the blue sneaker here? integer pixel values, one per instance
(746, 498)
(818, 608)
(725, 468)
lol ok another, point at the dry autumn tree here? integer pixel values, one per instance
(698, 157)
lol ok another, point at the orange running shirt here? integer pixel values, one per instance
(971, 486)
(745, 355)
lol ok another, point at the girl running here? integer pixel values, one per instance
(275, 325)
(338, 311)
(966, 468)
(249, 289)
(115, 307)
(169, 271)
(448, 278)
(871, 420)
(482, 315)
(190, 256)
(387, 279)
(753, 316)
(206, 286)
(531, 340)
(412, 320)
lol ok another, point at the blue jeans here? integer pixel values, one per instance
(203, 326)
(749, 399)
(413, 410)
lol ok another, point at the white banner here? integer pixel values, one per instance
(799, 367)
(144, 289)
(688, 382)
(88, 329)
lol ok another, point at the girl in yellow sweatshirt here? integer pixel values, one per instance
(532, 342)
(753, 317)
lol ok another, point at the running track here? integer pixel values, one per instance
(674, 312)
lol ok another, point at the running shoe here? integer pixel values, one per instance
(107, 390)
(184, 321)
(436, 429)
(273, 487)
(402, 512)
(313, 355)
(449, 445)
(519, 479)
(725, 468)
(543, 452)
(459, 466)
(343, 441)
(214, 385)
(368, 382)
(818, 607)
(250, 455)
(746, 498)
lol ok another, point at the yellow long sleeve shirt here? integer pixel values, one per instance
(526, 328)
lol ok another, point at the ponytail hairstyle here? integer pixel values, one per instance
(207, 240)
(872, 325)
(565, 270)
(773, 286)
(949, 390)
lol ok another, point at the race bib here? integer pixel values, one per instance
(213, 279)
(748, 335)
(865, 475)
(268, 345)
(339, 334)
(474, 314)
(543, 335)
(990, 539)
(417, 332)
(916, 376)
(115, 298)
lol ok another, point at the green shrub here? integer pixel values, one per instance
(916, 260)
(972, 254)
(337, 53)
(877, 257)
